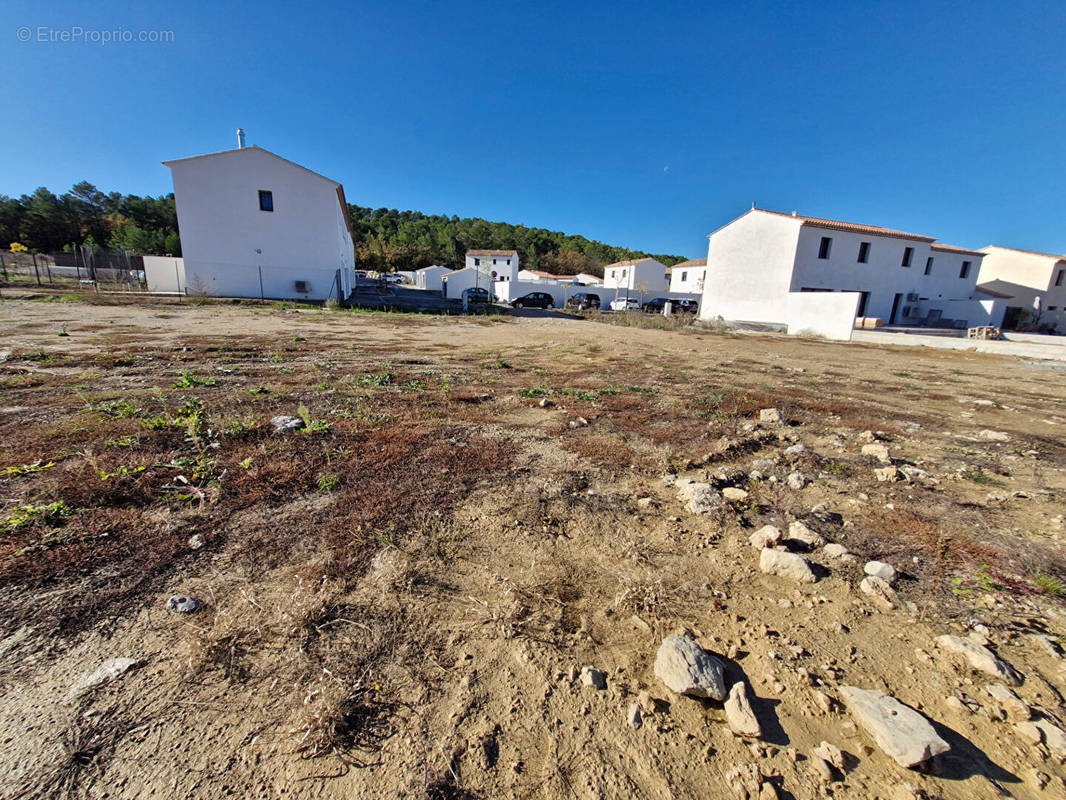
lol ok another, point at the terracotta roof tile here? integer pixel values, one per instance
(962, 251)
(851, 227)
(492, 253)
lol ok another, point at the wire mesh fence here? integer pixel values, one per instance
(110, 270)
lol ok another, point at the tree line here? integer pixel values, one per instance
(385, 238)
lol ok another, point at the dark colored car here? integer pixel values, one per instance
(583, 300)
(655, 305)
(534, 300)
(475, 295)
(688, 306)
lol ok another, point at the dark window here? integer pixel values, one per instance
(1052, 308)
(864, 252)
(266, 200)
(823, 248)
(477, 262)
(908, 252)
(684, 276)
(928, 265)
(1058, 278)
(965, 271)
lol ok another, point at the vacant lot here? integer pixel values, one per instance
(399, 596)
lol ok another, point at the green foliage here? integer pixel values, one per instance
(27, 469)
(1051, 585)
(259, 390)
(24, 516)
(328, 481)
(190, 381)
(382, 379)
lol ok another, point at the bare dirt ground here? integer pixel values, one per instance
(399, 598)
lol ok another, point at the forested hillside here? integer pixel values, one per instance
(384, 238)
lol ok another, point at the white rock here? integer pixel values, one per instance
(734, 494)
(686, 668)
(880, 569)
(105, 673)
(878, 451)
(1054, 736)
(883, 595)
(699, 498)
(590, 676)
(786, 565)
(1029, 732)
(835, 550)
(669, 480)
(770, 416)
(831, 754)
(742, 720)
(901, 732)
(980, 658)
(887, 474)
(634, 716)
(994, 436)
(766, 536)
(1017, 710)
(798, 532)
(794, 450)
(795, 480)
(284, 424)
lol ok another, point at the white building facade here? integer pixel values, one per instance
(1034, 282)
(644, 276)
(760, 265)
(429, 278)
(688, 276)
(500, 265)
(254, 224)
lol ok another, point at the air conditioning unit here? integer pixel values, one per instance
(912, 297)
(301, 287)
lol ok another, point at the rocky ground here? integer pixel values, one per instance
(268, 551)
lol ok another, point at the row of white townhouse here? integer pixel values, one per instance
(254, 224)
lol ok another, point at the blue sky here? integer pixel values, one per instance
(641, 124)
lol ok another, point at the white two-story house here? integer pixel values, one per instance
(688, 276)
(759, 262)
(254, 224)
(1035, 283)
(500, 265)
(645, 276)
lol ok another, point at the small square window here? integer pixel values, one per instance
(266, 200)
(684, 277)
(928, 265)
(965, 271)
(477, 262)
(823, 247)
(864, 252)
(908, 253)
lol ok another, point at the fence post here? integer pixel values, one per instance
(36, 271)
(3, 267)
(261, 295)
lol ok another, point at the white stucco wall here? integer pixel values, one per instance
(164, 274)
(749, 269)
(688, 279)
(505, 267)
(430, 277)
(827, 314)
(453, 283)
(647, 276)
(226, 238)
(1027, 276)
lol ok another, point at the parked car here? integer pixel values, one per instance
(475, 295)
(583, 301)
(534, 300)
(657, 304)
(688, 306)
(625, 304)
(392, 277)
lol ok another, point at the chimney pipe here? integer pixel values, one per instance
(240, 138)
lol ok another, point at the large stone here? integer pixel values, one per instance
(597, 679)
(287, 424)
(786, 565)
(880, 569)
(742, 720)
(1054, 736)
(798, 532)
(980, 658)
(900, 731)
(734, 494)
(103, 674)
(686, 668)
(878, 451)
(699, 498)
(770, 416)
(888, 474)
(766, 536)
(883, 595)
(1017, 710)
(796, 480)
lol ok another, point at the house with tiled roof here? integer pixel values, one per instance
(773, 267)
(1034, 282)
(501, 265)
(688, 276)
(640, 276)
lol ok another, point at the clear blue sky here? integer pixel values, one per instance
(641, 124)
